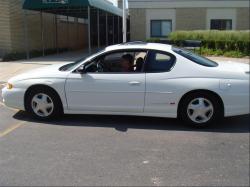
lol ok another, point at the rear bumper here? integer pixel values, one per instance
(236, 105)
(14, 98)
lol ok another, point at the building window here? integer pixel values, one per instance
(221, 24)
(161, 28)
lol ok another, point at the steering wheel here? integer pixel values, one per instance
(100, 67)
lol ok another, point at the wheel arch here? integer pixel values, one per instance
(216, 95)
(33, 87)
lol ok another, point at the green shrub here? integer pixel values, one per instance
(232, 42)
(211, 35)
(34, 53)
(14, 56)
(153, 40)
(214, 43)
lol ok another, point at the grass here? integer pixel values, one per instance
(218, 52)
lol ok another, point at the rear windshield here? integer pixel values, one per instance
(195, 58)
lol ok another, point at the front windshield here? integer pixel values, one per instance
(71, 66)
(195, 58)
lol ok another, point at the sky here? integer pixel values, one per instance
(114, 1)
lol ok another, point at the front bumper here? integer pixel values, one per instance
(14, 98)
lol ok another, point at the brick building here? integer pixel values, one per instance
(157, 18)
(57, 24)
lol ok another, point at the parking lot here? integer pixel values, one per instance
(121, 150)
(117, 150)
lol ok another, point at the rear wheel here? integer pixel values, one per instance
(43, 104)
(200, 109)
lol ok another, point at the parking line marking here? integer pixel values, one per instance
(10, 129)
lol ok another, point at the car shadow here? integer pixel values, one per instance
(238, 124)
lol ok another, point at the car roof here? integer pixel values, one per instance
(140, 45)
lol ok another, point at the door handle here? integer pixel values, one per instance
(134, 83)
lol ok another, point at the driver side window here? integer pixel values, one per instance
(118, 62)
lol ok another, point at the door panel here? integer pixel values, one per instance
(160, 93)
(117, 92)
(160, 87)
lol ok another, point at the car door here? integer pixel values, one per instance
(160, 86)
(106, 91)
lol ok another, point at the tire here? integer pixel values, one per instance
(43, 103)
(200, 109)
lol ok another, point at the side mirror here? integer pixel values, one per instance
(81, 70)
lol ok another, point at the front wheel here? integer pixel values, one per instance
(200, 109)
(43, 104)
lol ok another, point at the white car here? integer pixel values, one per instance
(136, 78)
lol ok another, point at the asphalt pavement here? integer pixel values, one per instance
(95, 150)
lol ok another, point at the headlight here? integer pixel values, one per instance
(9, 86)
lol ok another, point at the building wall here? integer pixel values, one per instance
(190, 18)
(12, 30)
(72, 35)
(5, 44)
(138, 24)
(242, 21)
(186, 15)
(154, 4)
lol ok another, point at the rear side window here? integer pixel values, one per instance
(159, 61)
(195, 58)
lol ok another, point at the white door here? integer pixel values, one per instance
(106, 90)
(160, 96)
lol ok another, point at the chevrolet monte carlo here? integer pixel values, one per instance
(136, 78)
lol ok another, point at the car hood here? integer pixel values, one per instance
(50, 71)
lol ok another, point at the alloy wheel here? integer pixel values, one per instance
(200, 110)
(42, 105)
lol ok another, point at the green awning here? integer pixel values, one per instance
(69, 6)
